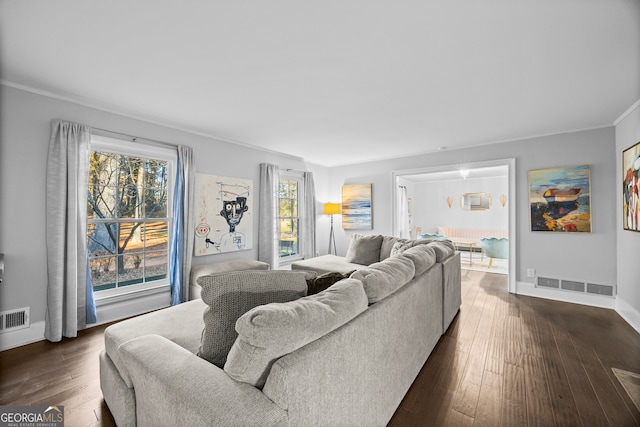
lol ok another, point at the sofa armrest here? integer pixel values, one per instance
(175, 387)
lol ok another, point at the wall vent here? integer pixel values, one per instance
(607, 290)
(575, 286)
(570, 285)
(547, 282)
(14, 319)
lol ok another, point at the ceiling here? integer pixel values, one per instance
(335, 82)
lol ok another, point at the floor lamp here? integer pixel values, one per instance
(332, 209)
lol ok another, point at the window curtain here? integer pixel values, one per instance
(182, 227)
(267, 224)
(403, 215)
(70, 304)
(308, 220)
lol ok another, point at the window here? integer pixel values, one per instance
(289, 193)
(128, 208)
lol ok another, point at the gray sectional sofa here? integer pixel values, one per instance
(365, 250)
(344, 356)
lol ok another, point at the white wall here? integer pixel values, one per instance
(430, 208)
(25, 118)
(579, 256)
(628, 242)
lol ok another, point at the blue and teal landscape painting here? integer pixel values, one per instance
(356, 207)
(560, 199)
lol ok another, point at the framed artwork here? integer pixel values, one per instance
(223, 214)
(356, 207)
(631, 187)
(560, 199)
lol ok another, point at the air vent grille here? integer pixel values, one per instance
(14, 319)
(570, 285)
(547, 282)
(575, 286)
(593, 288)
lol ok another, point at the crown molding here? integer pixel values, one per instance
(96, 105)
(626, 113)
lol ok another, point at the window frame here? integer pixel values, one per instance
(291, 175)
(148, 152)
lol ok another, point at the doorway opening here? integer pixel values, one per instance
(464, 204)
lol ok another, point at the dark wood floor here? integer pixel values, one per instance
(512, 360)
(505, 361)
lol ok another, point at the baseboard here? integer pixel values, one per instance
(529, 289)
(628, 313)
(20, 337)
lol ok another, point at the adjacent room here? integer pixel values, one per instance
(359, 213)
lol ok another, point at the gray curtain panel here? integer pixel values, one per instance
(67, 175)
(188, 168)
(268, 226)
(403, 215)
(308, 220)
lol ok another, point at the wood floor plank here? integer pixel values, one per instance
(565, 413)
(488, 412)
(588, 406)
(539, 409)
(466, 399)
(616, 411)
(514, 407)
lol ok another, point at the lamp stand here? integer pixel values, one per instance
(332, 239)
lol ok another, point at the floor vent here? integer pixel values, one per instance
(574, 286)
(14, 319)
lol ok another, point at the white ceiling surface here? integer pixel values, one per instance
(335, 82)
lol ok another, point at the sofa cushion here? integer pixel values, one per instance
(268, 332)
(422, 256)
(443, 249)
(326, 264)
(163, 322)
(229, 295)
(401, 246)
(385, 277)
(324, 281)
(364, 249)
(387, 245)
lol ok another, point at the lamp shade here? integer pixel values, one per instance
(331, 208)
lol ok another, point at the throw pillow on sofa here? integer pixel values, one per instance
(270, 331)
(324, 281)
(229, 295)
(387, 245)
(364, 249)
(401, 246)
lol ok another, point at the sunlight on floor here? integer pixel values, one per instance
(481, 263)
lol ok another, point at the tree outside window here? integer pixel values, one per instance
(288, 220)
(128, 225)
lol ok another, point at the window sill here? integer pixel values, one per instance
(289, 261)
(125, 294)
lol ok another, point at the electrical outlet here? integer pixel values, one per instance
(531, 272)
